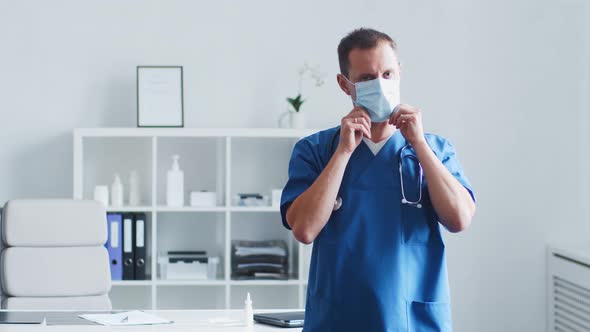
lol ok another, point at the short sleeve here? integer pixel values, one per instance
(446, 153)
(304, 168)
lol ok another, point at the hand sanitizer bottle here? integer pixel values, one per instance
(175, 185)
(117, 192)
(248, 312)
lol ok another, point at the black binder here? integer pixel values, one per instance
(139, 246)
(128, 237)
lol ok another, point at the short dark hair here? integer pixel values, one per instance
(363, 38)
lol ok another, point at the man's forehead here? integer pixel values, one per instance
(373, 59)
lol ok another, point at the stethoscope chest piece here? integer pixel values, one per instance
(337, 203)
(417, 205)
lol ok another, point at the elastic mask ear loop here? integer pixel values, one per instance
(352, 88)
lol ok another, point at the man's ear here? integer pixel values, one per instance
(343, 83)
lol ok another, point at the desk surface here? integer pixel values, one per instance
(184, 320)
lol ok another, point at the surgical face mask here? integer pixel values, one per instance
(379, 97)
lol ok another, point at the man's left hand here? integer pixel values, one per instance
(408, 119)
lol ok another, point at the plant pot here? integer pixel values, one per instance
(295, 120)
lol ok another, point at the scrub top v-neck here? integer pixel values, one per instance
(375, 147)
(378, 264)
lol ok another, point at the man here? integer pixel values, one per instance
(370, 195)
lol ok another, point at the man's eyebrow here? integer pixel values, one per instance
(373, 74)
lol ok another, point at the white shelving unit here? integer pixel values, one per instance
(226, 161)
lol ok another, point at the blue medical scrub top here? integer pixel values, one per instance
(378, 264)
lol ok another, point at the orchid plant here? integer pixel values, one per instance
(315, 75)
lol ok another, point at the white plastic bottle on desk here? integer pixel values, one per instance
(248, 312)
(175, 185)
(117, 192)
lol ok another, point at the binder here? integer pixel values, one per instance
(128, 263)
(139, 248)
(114, 244)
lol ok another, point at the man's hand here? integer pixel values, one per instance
(353, 127)
(408, 119)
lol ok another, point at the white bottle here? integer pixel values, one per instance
(117, 192)
(134, 195)
(175, 185)
(248, 312)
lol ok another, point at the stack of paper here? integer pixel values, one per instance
(249, 251)
(259, 259)
(126, 318)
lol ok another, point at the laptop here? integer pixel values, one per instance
(21, 317)
(282, 319)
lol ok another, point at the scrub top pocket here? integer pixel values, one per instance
(429, 317)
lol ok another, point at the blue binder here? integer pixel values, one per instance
(115, 244)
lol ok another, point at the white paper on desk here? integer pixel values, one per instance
(135, 317)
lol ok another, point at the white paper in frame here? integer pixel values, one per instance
(160, 96)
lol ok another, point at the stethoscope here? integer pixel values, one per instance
(417, 203)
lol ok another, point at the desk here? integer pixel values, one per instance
(184, 320)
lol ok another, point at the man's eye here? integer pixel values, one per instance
(387, 74)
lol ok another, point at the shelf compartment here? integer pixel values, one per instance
(263, 227)
(202, 160)
(105, 157)
(256, 159)
(192, 231)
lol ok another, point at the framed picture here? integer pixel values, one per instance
(160, 99)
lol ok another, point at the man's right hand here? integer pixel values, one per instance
(352, 129)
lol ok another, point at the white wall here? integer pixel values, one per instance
(505, 80)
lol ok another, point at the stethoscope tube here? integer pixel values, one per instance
(416, 203)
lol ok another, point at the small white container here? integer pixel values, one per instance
(203, 198)
(101, 194)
